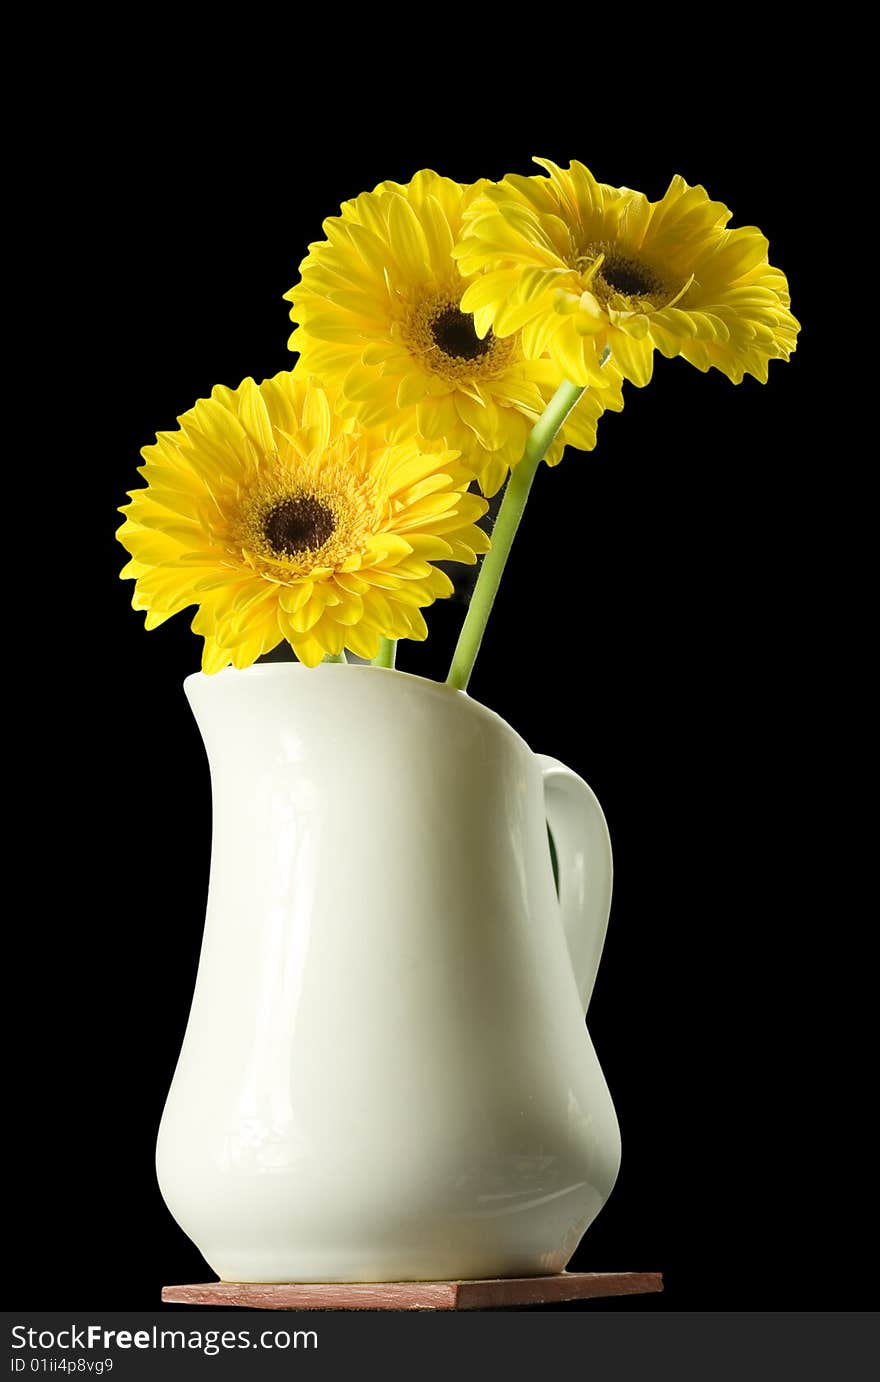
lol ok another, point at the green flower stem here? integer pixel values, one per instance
(506, 524)
(335, 657)
(387, 653)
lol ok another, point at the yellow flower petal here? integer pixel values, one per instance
(279, 517)
(386, 315)
(668, 273)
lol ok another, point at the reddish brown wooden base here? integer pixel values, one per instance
(416, 1295)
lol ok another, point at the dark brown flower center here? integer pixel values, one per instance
(453, 332)
(298, 524)
(628, 276)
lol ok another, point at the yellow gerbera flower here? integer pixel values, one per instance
(379, 318)
(282, 521)
(575, 266)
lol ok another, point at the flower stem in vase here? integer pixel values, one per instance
(387, 653)
(506, 525)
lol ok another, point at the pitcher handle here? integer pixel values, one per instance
(583, 853)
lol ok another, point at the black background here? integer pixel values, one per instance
(668, 626)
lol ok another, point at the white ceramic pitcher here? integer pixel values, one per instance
(386, 1073)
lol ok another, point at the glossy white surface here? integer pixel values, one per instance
(386, 1073)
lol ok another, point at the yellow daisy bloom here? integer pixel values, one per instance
(572, 266)
(281, 521)
(379, 318)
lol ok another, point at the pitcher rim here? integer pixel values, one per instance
(267, 670)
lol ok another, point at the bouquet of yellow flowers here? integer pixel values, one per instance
(450, 338)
